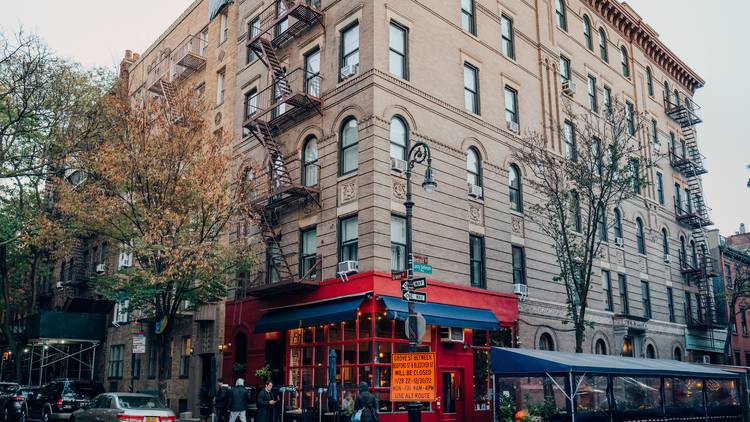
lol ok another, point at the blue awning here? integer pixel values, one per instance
(514, 362)
(444, 315)
(309, 315)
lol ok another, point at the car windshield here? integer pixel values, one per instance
(130, 402)
(82, 390)
(8, 389)
(27, 393)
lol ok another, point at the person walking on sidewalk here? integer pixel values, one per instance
(366, 401)
(265, 403)
(221, 402)
(238, 401)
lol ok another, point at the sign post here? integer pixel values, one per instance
(414, 377)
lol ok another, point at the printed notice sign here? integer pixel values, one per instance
(413, 377)
(139, 344)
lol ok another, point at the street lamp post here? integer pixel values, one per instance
(417, 154)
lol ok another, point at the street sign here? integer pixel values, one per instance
(399, 275)
(412, 296)
(422, 268)
(419, 283)
(421, 327)
(419, 259)
(139, 344)
(405, 285)
(414, 377)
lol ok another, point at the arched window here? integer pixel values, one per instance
(349, 151)
(625, 62)
(693, 255)
(603, 45)
(665, 241)
(399, 138)
(677, 354)
(310, 156)
(587, 33)
(601, 223)
(618, 225)
(514, 184)
(650, 352)
(676, 98)
(600, 348)
(649, 82)
(639, 236)
(473, 167)
(683, 253)
(562, 19)
(545, 342)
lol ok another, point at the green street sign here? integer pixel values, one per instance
(422, 268)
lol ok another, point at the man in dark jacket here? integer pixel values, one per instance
(238, 401)
(221, 402)
(265, 404)
(366, 402)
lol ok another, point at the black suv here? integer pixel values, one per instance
(61, 397)
(13, 401)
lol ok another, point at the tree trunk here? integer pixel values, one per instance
(7, 314)
(165, 357)
(728, 342)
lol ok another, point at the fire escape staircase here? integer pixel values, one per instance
(291, 94)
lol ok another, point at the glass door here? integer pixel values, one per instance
(451, 390)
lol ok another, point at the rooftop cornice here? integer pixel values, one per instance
(644, 37)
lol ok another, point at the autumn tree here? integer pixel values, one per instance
(602, 165)
(736, 294)
(165, 189)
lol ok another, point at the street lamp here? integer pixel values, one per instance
(417, 154)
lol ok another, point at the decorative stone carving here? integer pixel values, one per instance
(652, 232)
(348, 191)
(475, 214)
(668, 273)
(399, 190)
(309, 206)
(604, 253)
(642, 264)
(516, 224)
(217, 119)
(221, 55)
(619, 257)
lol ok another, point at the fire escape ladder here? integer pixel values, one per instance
(268, 55)
(276, 259)
(279, 171)
(170, 95)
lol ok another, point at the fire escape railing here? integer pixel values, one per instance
(297, 92)
(695, 214)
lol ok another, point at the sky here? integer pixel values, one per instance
(706, 35)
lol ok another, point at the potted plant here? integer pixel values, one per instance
(347, 411)
(239, 368)
(204, 401)
(264, 373)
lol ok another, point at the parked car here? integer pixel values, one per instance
(124, 407)
(61, 397)
(13, 401)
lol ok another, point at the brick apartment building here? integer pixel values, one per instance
(329, 93)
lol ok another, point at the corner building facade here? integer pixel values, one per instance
(330, 95)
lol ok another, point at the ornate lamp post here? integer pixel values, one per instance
(417, 154)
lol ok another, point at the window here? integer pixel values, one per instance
(220, 88)
(514, 187)
(397, 47)
(152, 360)
(677, 354)
(677, 198)
(636, 169)
(607, 288)
(688, 305)
(688, 203)
(698, 308)
(743, 321)
(562, 20)
(473, 167)
(253, 27)
(309, 254)
(570, 141)
(676, 98)
(666, 91)
(683, 151)
(618, 224)
(629, 111)
(693, 256)
(603, 45)
(350, 47)
(649, 82)
(596, 147)
(625, 62)
(672, 147)
(646, 298)
(601, 223)
(601, 348)
(575, 211)
(349, 239)
(650, 352)
(670, 305)
(747, 359)
(251, 104)
(507, 35)
(683, 253)
(654, 134)
(564, 69)
(312, 73)
(734, 326)
(727, 277)
(311, 162)
(349, 147)
(664, 242)
(593, 102)
(471, 88)
(640, 240)
(736, 358)
(660, 188)
(185, 357)
(607, 99)
(587, 33)
(545, 341)
(116, 359)
(519, 266)
(204, 43)
(283, 25)
(468, 22)
(224, 29)
(476, 260)
(511, 105)
(399, 138)
(623, 293)
(398, 243)
(137, 365)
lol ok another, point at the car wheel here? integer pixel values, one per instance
(6, 415)
(46, 417)
(23, 416)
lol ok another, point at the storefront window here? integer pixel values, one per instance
(502, 338)
(482, 389)
(365, 325)
(636, 393)
(334, 332)
(383, 326)
(479, 338)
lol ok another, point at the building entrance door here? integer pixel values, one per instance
(451, 391)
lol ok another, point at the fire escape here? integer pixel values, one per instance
(696, 264)
(291, 94)
(164, 78)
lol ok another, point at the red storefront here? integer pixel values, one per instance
(362, 320)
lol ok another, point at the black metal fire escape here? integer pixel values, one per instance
(291, 94)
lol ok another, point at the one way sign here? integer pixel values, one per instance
(411, 296)
(417, 283)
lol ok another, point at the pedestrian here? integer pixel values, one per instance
(221, 402)
(366, 402)
(238, 401)
(265, 403)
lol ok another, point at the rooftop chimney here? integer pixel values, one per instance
(128, 54)
(742, 228)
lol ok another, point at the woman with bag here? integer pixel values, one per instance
(365, 406)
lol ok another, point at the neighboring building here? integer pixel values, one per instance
(330, 95)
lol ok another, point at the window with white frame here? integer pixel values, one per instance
(116, 360)
(220, 88)
(397, 50)
(224, 29)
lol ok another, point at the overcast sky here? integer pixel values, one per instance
(711, 37)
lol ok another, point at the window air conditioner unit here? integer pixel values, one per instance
(521, 289)
(398, 165)
(619, 242)
(668, 258)
(348, 267)
(451, 335)
(59, 284)
(100, 268)
(349, 71)
(706, 359)
(475, 191)
(513, 127)
(126, 260)
(569, 87)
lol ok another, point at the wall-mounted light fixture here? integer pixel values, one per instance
(221, 348)
(191, 351)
